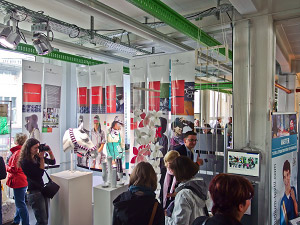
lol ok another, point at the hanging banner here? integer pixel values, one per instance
(51, 108)
(284, 168)
(98, 117)
(32, 75)
(115, 145)
(83, 110)
(159, 80)
(182, 96)
(158, 76)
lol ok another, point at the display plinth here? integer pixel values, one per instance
(103, 203)
(72, 205)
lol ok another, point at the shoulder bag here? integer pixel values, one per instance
(50, 188)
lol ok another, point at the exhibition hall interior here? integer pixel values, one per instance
(149, 112)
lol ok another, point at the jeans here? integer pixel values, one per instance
(39, 205)
(21, 208)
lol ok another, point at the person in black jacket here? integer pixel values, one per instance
(2, 176)
(135, 206)
(32, 161)
(231, 195)
(190, 141)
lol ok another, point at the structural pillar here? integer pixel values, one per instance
(253, 93)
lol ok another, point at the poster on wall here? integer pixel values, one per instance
(98, 116)
(32, 75)
(83, 110)
(51, 108)
(115, 144)
(284, 168)
(182, 96)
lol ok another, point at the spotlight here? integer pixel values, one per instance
(9, 38)
(42, 44)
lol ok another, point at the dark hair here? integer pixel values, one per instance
(163, 124)
(207, 125)
(228, 192)
(25, 150)
(144, 175)
(286, 167)
(184, 168)
(99, 127)
(189, 133)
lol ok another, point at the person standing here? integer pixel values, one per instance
(231, 196)
(32, 161)
(229, 131)
(115, 145)
(98, 139)
(137, 205)
(17, 180)
(187, 149)
(218, 127)
(2, 176)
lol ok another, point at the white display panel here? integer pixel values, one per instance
(243, 163)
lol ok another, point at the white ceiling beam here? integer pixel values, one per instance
(244, 6)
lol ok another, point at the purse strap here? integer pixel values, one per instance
(204, 222)
(153, 213)
(49, 179)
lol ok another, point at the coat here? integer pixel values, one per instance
(190, 202)
(217, 219)
(182, 151)
(131, 209)
(15, 178)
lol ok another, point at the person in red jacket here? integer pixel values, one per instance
(17, 180)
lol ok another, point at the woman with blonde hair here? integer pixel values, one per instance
(17, 180)
(138, 205)
(170, 180)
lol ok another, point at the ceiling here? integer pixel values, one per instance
(164, 39)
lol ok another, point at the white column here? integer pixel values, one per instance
(261, 90)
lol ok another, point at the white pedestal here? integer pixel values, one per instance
(103, 203)
(72, 205)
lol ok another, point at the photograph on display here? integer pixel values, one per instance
(164, 98)
(179, 126)
(119, 100)
(182, 94)
(243, 163)
(283, 125)
(98, 100)
(83, 100)
(51, 108)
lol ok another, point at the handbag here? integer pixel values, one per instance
(50, 188)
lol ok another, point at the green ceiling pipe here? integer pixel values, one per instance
(214, 86)
(29, 49)
(167, 15)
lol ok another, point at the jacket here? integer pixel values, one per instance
(217, 219)
(131, 209)
(15, 178)
(16, 148)
(190, 202)
(182, 151)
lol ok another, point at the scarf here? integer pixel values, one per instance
(166, 185)
(114, 132)
(146, 191)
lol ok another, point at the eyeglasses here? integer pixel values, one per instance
(192, 140)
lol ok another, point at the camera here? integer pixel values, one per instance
(43, 148)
